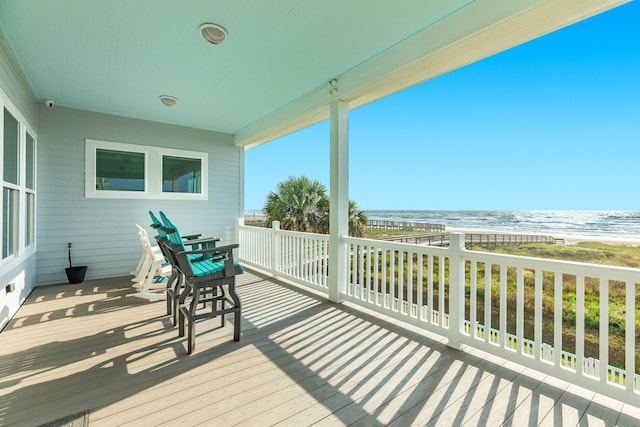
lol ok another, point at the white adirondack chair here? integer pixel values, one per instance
(152, 271)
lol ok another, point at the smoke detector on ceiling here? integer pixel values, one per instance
(169, 101)
(213, 33)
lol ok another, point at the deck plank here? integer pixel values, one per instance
(301, 361)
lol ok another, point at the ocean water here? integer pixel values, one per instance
(623, 226)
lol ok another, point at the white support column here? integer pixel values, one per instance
(339, 199)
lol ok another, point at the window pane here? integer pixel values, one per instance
(9, 222)
(31, 169)
(30, 230)
(181, 175)
(119, 170)
(10, 148)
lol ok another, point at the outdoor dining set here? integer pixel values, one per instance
(194, 275)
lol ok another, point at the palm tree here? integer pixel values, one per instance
(301, 204)
(357, 220)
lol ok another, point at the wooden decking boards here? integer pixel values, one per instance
(301, 361)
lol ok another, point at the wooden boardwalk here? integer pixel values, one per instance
(97, 350)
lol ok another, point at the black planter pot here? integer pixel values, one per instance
(76, 274)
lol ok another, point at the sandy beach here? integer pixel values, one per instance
(569, 239)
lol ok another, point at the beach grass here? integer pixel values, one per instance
(589, 252)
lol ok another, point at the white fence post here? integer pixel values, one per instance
(456, 289)
(275, 250)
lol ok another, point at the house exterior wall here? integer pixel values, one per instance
(15, 85)
(16, 96)
(103, 231)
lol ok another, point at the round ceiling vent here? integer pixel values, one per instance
(169, 101)
(213, 33)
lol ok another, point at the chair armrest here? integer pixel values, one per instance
(191, 239)
(211, 252)
(203, 240)
(191, 236)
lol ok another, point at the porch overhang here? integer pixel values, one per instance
(272, 75)
(435, 51)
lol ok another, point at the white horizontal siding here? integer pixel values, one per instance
(103, 231)
(15, 85)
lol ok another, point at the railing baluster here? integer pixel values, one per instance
(537, 322)
(392, 279)
(419, 286)
(520, 312)
(473, 296)
(367, 285)
(487, 302)
(579, 324)
(385, 256)
(410, 283)
(430, 288)
(361, 255)
(503, 306)
(630, 335)
(441, 291)
(604, 330)
(557, 319)
(400, 280)
(375, 275)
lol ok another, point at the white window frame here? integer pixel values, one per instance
(23, 128)
(30, 191)
(152, 172)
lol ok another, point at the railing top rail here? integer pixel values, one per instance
(408, 247)
(255, 229)
(315, 236)
(592, 270)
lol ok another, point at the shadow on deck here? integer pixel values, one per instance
(301, 361)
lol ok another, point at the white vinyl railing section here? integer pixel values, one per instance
(300, 257)
(536, 312)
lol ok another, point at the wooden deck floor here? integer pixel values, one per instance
(95, 348)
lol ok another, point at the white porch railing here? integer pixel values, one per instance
(519, 316)
(301, 257)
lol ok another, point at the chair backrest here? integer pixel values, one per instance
(157, 225)
(167, 250)
(172, 231)
(144, 240)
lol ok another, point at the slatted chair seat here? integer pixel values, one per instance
(211, 280)
(211, 268)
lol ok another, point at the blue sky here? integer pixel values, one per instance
(553, 124)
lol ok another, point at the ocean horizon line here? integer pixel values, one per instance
(610, 225)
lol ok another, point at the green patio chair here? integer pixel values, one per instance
(205, 282)
(168, 231)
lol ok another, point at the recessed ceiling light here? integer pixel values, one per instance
(213, 33)
(167, 100)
